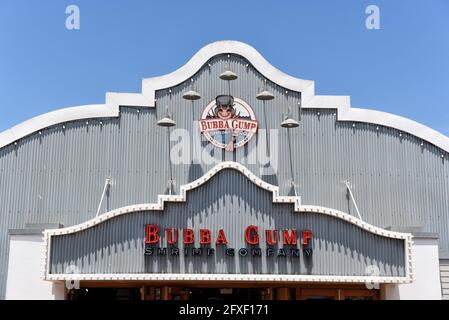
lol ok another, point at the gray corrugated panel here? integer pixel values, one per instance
(58, 177)
(117, 246)
(444, 277)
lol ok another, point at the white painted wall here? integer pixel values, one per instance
(426, 274)
(24, 278)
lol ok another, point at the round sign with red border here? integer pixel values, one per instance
(228, 126)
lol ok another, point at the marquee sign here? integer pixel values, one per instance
(256, 235)
(228, 122)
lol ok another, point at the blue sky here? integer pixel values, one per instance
(402, 68)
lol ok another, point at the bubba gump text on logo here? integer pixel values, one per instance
(231, 124)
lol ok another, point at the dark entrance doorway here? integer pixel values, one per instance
(222, 294)
(105, 294)
(220, 291)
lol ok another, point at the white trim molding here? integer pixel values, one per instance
(182, 197)
(346, 113)
(150, 85)
(56, 117)
(225, 277)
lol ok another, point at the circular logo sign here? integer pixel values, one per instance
(228, 122)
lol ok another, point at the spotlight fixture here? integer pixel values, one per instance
(191, 95)
(265, 95)
(228, 75)
(289, 123)
(166, 122)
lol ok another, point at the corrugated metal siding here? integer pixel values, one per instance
(58, 177)
(444, 276)
(117, 246)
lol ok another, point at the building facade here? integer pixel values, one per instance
(225, 178)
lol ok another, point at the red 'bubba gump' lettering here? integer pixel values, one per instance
(188, 236)
(234, 124)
